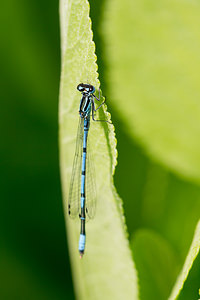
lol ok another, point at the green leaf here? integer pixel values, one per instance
(106, 270)
(153, 52)
(156, 264)
(192, 255)
(191, 288)
(166, 203)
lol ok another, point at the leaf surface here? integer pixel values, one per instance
(192, 255)
(106, 270)
(153, 54)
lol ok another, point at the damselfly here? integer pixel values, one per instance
(82, 191)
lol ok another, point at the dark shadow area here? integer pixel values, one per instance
(34, 254)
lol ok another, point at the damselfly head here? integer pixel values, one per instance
(86, 88)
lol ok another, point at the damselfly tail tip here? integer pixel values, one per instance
(81, 254)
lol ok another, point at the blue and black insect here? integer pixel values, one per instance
(82, 192)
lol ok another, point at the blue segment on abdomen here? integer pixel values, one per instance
(82, 242)
(82, 201)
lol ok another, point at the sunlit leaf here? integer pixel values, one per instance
(192, 255)
(106, 270)
(152, 48)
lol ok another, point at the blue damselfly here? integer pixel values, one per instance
(82, 192)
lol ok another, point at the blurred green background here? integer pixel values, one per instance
(34, 261)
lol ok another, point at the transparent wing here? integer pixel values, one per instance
(75, 184)
(90, 202)
(74, 199)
